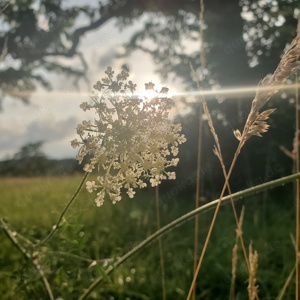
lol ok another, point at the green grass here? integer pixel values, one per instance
(33, 206)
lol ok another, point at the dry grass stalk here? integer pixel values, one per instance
(199, 154)
(294, 155)
(239, 233)
(160, 246)
(4, 50)
(297, 188)
(217, 147)
(295, 142)
(233, 271)
(3, 8)
(252, 287)
(286, 284)
(197, 200)
(255, 124)
(286, 152)
(202, 23)
(218, 153)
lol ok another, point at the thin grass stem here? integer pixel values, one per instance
(197, 202)
(226, 185)
(4, 7)
(160, 246)
(212, 224)
(297, 192)
(55, 227)
(200, 127)
(234, 255)
(286, 284)
(218, 153)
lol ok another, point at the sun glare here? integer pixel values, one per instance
(236, 92)
(147, 94)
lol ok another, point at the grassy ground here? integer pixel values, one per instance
(33, 206)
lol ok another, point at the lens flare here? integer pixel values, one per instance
(236, 92)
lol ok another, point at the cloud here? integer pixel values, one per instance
(9, 139)
(47, 130)
(107, 59)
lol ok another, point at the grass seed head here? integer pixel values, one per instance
(256, 122)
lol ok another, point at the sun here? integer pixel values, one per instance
(148, 94)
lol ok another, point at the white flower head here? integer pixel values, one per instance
(88, 167)
(100, 198)
(91, 186)
(85, 106)
(130, 192)
(75, 143)
(171, 175)
(131, 140)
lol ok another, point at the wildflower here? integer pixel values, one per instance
(131, 140)
(130, 193)
(88, 168)
(90, 186)
(171, 175)
(75, 143)
(85, 106)
(100, 198)
(154, 182)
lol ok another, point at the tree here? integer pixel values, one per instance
(30, 160)
(270, 25)
(36, 33)
(33, 46)
(30, 150)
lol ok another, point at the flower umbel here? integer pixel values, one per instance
(131, 140)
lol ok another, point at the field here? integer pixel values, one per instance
(150, 222)
(88, 233)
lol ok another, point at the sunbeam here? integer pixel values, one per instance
(237, 92)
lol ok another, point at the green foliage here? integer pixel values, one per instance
(108, 233)
(35, 47)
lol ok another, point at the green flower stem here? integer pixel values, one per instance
(55, 227)
(188, 216)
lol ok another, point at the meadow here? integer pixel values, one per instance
(88, 235)
(66, 237)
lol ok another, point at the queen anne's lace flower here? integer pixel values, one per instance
(90, 186)
(131, 139)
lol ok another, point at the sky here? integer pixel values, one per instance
(52, 116)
